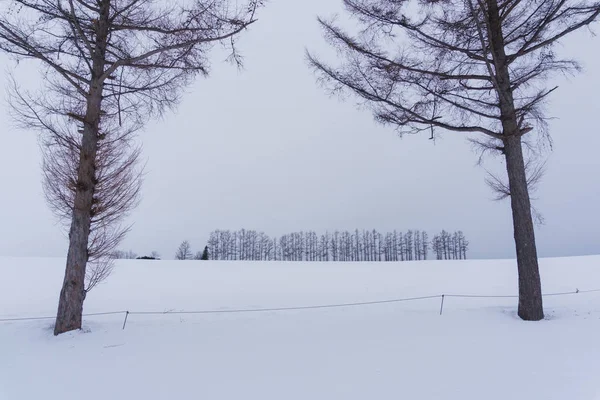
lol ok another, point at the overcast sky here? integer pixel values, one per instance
(265, 148)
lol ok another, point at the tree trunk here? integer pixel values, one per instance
(72, 294)
(530, 288)
(70, 305)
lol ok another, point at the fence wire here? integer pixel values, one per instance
(313, 307)
(247, 310)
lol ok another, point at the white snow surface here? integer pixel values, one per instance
(478, 349)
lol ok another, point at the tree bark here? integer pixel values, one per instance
(530, 288)
(72, 294)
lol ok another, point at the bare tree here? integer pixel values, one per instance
(424, 244)
(184, 252)
(408, 245)
(118, 182)
(417, 244)
(467, 66)
(155, 255)
(464, 245)
(401, 247)
(108, 66)
(117, 254)
(436, 247)
(131, 255)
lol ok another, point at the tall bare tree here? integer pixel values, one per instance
(108, 66)
(424, 244)
(477, 67)
(155, 255)
(184, 251)
(118, 182)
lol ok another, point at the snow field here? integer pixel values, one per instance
(476, 349)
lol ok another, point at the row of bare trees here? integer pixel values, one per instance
(365, 245)
(450, 246)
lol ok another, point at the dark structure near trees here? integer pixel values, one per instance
(477, 67)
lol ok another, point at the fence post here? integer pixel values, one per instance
(125, 322)
(442, 305)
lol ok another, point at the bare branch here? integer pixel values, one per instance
(97, 272)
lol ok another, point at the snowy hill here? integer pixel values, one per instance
(477, 349)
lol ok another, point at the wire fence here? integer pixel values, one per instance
(310, 307)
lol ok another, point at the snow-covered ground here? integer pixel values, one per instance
(477, 349)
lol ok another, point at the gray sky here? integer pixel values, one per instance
(267, 149)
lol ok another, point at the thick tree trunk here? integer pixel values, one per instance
(72, 295)
(530, 288)
(530, 291)
(70, 305)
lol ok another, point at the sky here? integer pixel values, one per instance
(266, 148)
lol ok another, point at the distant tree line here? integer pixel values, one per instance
(123, 255)
(131, 255)
(365, 245)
